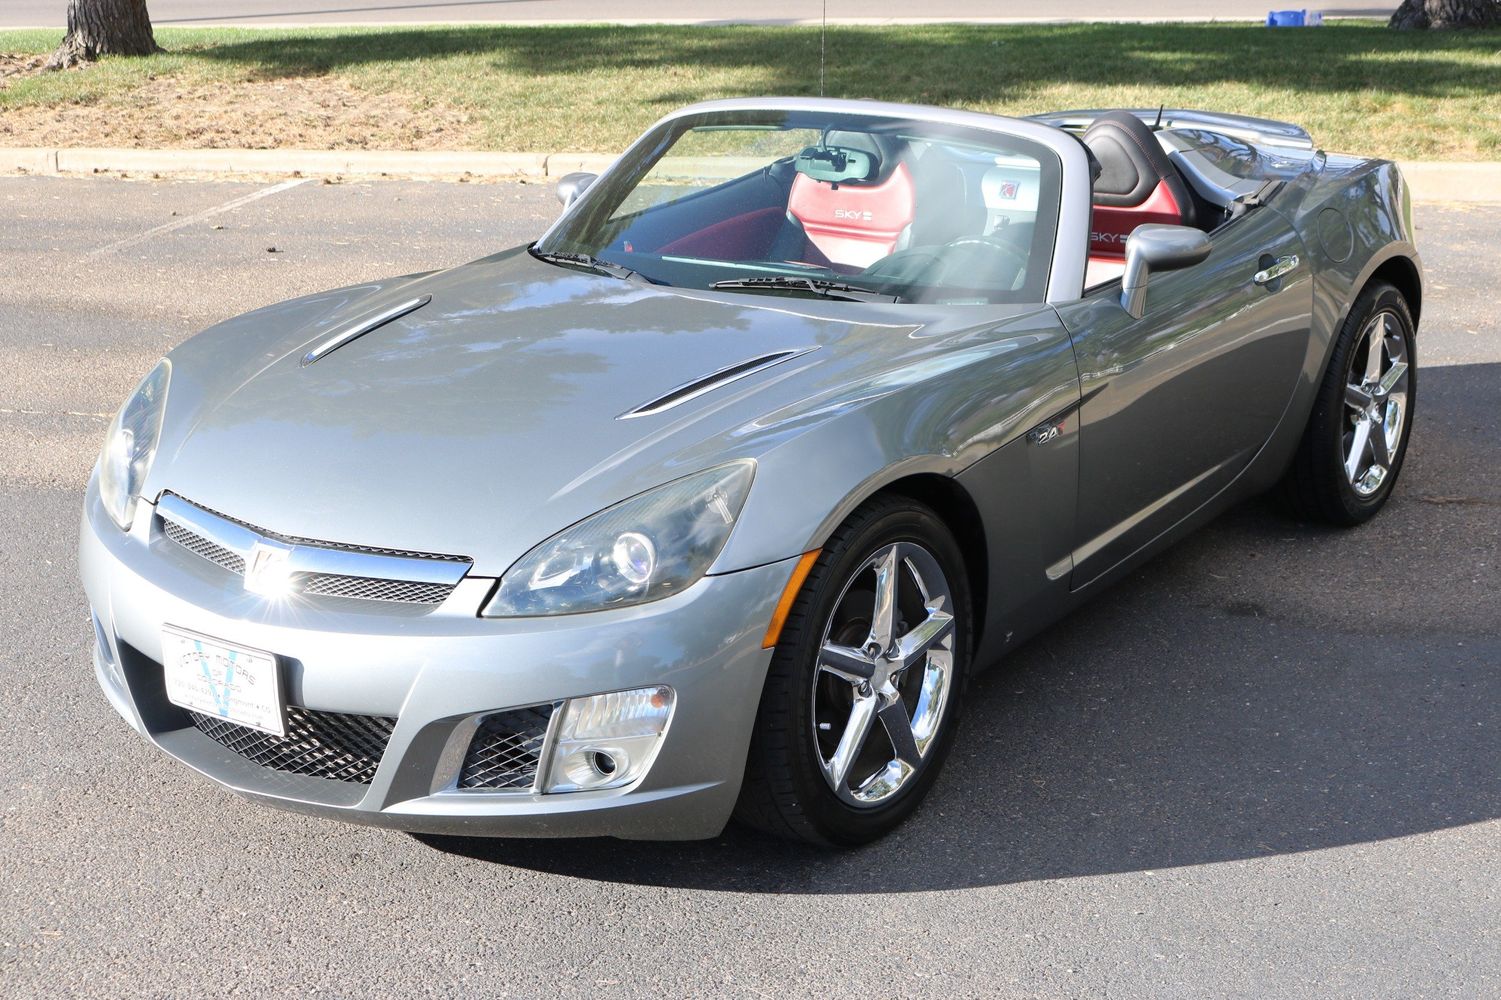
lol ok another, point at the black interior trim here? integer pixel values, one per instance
(1133, 164)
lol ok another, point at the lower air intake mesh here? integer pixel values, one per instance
(318, 744)
(506, 749)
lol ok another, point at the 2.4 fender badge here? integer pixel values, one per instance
(1043, 433)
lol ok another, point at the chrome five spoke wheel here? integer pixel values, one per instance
(1376, 401)
(884, 673)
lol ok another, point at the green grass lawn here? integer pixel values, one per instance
(1356, 86)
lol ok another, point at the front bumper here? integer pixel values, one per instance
(434, 672)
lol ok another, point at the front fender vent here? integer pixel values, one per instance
(712, 381)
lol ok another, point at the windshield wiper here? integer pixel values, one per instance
(592, 263)
(817, 286)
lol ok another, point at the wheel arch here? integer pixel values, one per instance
(961, 515)
(1397, 263)
(1402, 272)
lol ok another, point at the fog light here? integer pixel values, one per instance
(608, 740)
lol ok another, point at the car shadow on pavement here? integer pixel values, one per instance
(1262, 689)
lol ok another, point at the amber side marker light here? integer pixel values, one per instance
(789, 594)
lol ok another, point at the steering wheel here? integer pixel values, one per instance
(998, 263)
(986, 255)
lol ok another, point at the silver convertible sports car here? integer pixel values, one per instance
(711, 502)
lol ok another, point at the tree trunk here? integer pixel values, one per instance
(1447, 14)
(104, 28)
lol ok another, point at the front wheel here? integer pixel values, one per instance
(1356, 438)
(864, 689)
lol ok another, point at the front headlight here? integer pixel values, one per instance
(644, 549)
(130, 445)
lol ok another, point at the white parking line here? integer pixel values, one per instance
(199, 217)
(4, 410)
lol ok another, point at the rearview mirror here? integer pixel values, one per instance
(1157, 248)
(570, 186)
(836, 164)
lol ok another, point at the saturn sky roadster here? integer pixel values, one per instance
(711, 502)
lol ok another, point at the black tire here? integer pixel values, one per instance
(785, 792)
(1316, 486)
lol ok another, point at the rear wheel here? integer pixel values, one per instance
(1356, 439)
(864, 690)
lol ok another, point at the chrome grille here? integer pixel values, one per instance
(203, 547)
(365, 588)
(506, 749)
(395, 576)
(318, 744)
(374, 550)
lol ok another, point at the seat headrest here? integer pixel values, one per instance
(888, 151)
(1132, 162)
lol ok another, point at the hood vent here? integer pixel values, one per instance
(358, 329)
(712, 381)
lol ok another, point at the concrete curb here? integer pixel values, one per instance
(285, 162)
(28, 161)
(1432, 181)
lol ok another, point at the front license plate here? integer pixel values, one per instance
(223, 680)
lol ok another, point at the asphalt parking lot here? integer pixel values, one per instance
(1267, 765)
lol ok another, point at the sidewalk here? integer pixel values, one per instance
(1431, 181)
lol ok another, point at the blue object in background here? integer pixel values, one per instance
(1294, 19)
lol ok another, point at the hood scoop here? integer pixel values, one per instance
(713, 380)
(359, 328)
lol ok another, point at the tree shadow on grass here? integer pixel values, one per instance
(1255, 692)
(930, 63)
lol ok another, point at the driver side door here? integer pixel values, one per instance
(1177, 403)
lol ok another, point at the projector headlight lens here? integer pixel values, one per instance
(635, 557)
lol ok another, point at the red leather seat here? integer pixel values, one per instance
(855, 224)
(1137, 184)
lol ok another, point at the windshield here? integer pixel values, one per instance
(812, 203)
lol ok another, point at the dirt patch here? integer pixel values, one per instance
(13, 67)
(305, 112)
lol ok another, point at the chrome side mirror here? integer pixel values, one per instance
(1157, 248)
(570, 186)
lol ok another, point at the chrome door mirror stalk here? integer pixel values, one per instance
(570, 186)
(1158, 248)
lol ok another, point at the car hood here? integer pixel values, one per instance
(491, 417)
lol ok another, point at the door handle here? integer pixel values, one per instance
(1278, 268)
